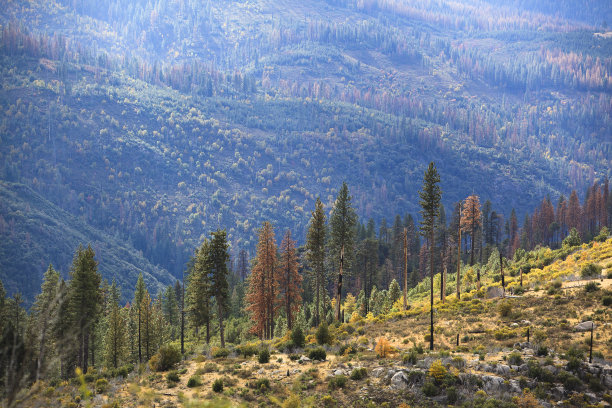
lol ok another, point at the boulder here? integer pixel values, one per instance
(493, 383)
(585, 326)
(558, 393)
(399, 381)
(379, 372)
(494, 292)
(502, 369)
(339, 372)
(607, 381)
(515, 387)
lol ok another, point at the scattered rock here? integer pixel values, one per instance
(585, 326)
(493, 383)
(399, 381)
(502, 369)
(558, 393)
(514, 325)
(339, 372)
(378, 372)
(494, 292)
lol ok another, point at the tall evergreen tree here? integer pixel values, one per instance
(343, 221)
(315, 254)
(45, 310)
(218, 259)
(115, 339)
(199, 290)
(85, 299)
(262, 284)
(289, 280)
(471, 221)
(430, 197)
(138, 297)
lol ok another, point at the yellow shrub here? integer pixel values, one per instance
(383, 348)
(437, 370)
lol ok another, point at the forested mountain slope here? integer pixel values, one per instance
(156, 122)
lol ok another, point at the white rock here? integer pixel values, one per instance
(585, 326)
(399, 381)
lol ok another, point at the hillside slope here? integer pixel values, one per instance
(32, 228)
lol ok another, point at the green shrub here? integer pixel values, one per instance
(590, 270)
(322, 335)
(294, 357)
(515, 358)
(541, 351)
(101, 385)
(318, 353)
(505, 309)
(218, 385)
(264, 356)
(165, 358)
(220, 352)
(569, 381)
(430, 389)
(297, 337)
(247, 350)
(359, 373)
(338, 381)
(603, 234)
(591, 287)
(606, 300)
(123, 371)
(260, 385)
(452, 396)
(172, 376)
(208, 368)
(411, 357)
(194, 381)
(573, 239)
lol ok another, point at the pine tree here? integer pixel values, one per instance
(315, 254)
(146, 324)
(85, 299)
(44, 311)
(138, 297)
(343, 221)
(170, 310)
(290, 281)
(471, 221)
(262, 284)
(430, 197)
(199, 290)
(217, 265)
(115, 339)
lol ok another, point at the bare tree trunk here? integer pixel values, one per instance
(405, 268)
(339, 293)
(431, 276)
(459, 262)
(501, 268)
(220, 311)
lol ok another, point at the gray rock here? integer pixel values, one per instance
(523, 368)
(514, 325)
(502, 369)
(493, 383)
(399, 381)
(378, 372)
(339, 372)
(585, 326)
(552, 369)
(607, 381)
(494, 292)
(558, 393)
(592, 397)
(515, 387)
(525, 322)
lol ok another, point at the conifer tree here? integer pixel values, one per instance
(199, 290)
(115, 339)
(289, 280)
(85, 299)
(470, 222)
(138, 297)
(218, 259)
(430, 196)
(343, 221)
(146, 324)
(170, 310)
(315, 254)
(44, 310)
(262, 284)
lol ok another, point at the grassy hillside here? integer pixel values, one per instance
(35, 229)
(492, 365)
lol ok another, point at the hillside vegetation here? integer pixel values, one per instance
(379, 359)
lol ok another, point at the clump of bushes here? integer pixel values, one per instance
(260, 385)
(264, 356)
(606, 300)
(359, 373)
(165, 358)
(590, 270)
(247, 350)
(430, 389)
(411, 357)
(515, 358)
(318, 353)
(338, 381)
(173, 376)
(194, 381)
(591, 287)
(322, 335)
(218, 352)
(217, 385)
(101, 385)
(505, 309)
